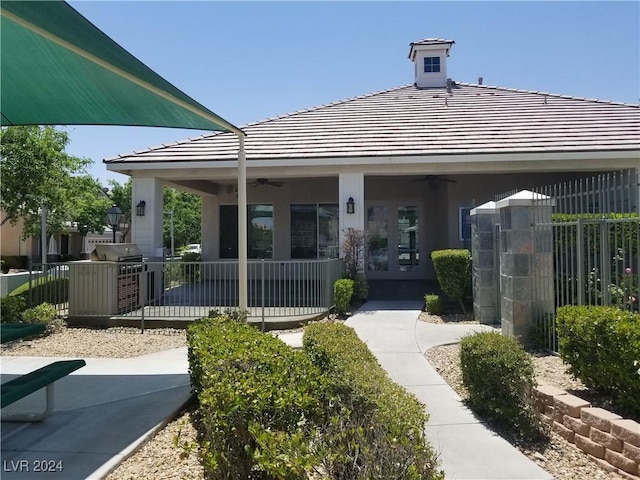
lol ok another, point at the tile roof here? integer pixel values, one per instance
(406, 121)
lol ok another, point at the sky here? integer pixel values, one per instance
(248, 61)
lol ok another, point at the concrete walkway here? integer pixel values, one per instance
(105, 410)
(102, 412)
(468, 450)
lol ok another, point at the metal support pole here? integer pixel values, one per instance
(43, 233)
(262, 289)
(242, 226)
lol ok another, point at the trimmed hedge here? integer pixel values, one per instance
(260, 401)
(342, 293)
(19, 262)
(602, 347)
(498, 375)
(376, 428)
(433, 305)
(453, 270)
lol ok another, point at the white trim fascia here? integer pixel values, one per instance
(393, 161)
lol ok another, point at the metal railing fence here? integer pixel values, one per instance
(184, 290)
(595, 239)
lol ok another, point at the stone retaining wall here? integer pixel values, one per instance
(608, 439)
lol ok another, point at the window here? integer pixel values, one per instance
(259, 231)
(314, 231)
(431, 64)
(464, 223)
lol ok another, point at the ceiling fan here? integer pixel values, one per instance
(259, 182)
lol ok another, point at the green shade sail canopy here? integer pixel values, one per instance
(57, 68)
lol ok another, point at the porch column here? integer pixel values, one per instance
(485, 267)
(351, 185)
(526, 263)
(146, 231)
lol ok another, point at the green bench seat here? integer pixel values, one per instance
(24, 385)
(14, 331)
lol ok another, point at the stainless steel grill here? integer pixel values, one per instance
(117, 252)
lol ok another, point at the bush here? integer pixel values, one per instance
(499, 375)
(360, 288)
(602, 347)
(18, 262)
(11, 309)
(259, 401)
(45, 314)
(453, 270)
(342, 293)
(375, 428)
(433, 304)
(190, 269)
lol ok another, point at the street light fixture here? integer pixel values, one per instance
(113, 217)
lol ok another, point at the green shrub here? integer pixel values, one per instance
(498, 375)
(342, 293)
(453, 270)
(259, 401)
(360, 288)
(45, 314)
(11, 309)
(190, 268)
(602, 347)
(18, 262)
(433, 304)
(375, 428)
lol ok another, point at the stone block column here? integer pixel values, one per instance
(526, 262)
(485, 269)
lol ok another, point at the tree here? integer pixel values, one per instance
(90, 204)
(121, 196)
(36, 172)
(187, 217)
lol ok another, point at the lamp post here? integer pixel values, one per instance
(113, 217)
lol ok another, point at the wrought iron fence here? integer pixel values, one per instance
(595, 240)
(184, 290)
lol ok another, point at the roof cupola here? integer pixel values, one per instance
(430, 57)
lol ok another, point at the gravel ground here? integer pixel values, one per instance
(173, 452)
(560, 458)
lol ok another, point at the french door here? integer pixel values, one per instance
(394, 242)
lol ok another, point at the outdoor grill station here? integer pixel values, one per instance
(113, 282)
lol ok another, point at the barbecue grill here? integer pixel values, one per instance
(113, 282)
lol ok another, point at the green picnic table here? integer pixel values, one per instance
(14, 331)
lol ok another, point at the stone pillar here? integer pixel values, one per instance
(526, 262)
(146, 231)
(485, 269)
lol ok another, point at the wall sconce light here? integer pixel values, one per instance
(351, 206)
(140, 208)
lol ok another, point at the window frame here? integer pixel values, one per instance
(461, 217)
(432, 62)
(317, 206)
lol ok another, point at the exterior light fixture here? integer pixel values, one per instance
(113, 217)
(351, 206)
(140, 208)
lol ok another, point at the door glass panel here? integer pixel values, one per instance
(328, 231)
(408, 246)
(377, 226)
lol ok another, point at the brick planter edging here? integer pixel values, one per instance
(612, 441)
